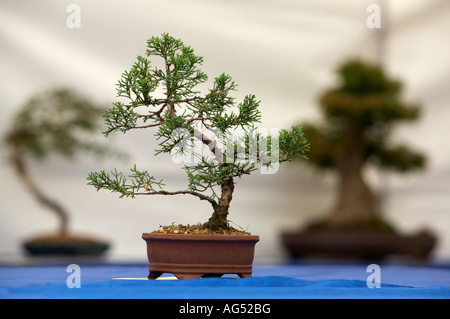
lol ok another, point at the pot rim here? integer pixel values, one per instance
(200, 237)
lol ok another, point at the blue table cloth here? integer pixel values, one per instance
(282, 281)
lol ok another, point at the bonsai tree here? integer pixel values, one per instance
(55, 122)
(359, 114)
(186, 121)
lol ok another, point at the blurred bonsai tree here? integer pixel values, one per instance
(359, 114)
(55, 122)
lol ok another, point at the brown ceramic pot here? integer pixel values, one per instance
(369, 245)
(195, 256)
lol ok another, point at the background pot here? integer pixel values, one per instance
(65, 244)
(363, 245)
(195, 256)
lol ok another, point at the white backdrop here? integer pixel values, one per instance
(284, 52)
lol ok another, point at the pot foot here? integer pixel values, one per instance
(157, 274)
(154, 274)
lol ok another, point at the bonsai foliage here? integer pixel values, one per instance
(359, 114)
(56, 122)
(189, 122)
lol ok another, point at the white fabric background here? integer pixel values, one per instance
(284, 51)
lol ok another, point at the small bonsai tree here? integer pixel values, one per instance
(55, 122)
(183, 118)
(359, 114)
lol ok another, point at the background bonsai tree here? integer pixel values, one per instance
(359, 114)
(56, 122)
(185, 119)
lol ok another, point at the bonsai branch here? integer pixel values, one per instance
(162, 121)
(162, 192)
(211, 144)
(117, 182)
(173, 101)
(148, 126)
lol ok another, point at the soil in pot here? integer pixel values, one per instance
(199, 230)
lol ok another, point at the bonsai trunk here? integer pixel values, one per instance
(218, 219)
(355, 203)
(21, 170)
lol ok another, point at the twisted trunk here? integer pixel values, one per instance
(218, 219)
(21, 170)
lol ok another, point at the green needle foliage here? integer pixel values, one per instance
(166, 96)
(56, 122)
(359, 115)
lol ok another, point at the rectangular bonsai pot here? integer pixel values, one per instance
(194, 256)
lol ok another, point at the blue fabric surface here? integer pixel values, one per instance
(268, 282)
